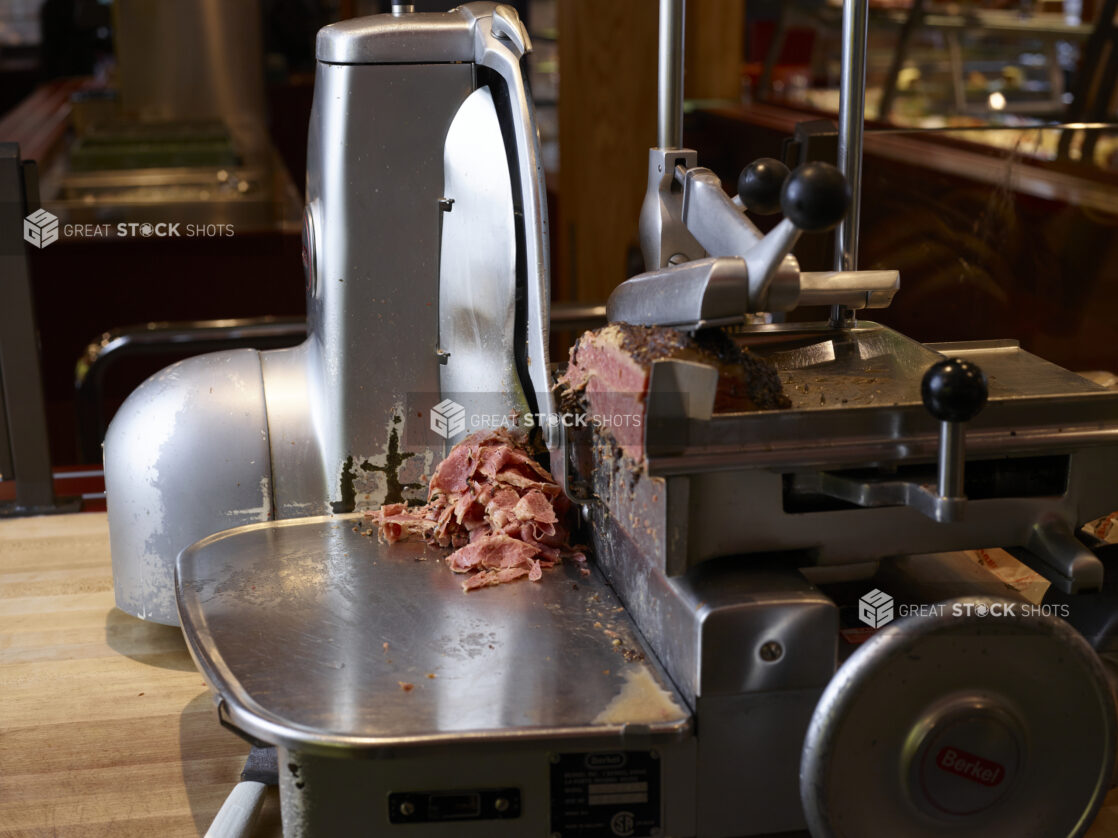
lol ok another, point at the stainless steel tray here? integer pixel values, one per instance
(309, 633)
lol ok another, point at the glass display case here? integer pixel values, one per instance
(965, 65)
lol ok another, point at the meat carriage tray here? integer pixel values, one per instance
(1044, 447)
(855, 398)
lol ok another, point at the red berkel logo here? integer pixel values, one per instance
(967, 765)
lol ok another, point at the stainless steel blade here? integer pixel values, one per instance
(477, 269)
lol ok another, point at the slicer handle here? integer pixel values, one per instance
(953, 391)
(815, 197)
(760, 184)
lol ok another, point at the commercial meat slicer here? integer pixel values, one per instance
(695, 683)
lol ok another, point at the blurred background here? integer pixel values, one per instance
(991, 169)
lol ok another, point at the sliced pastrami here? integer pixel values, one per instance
(500, 510)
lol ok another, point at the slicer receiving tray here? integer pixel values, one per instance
(368, 660)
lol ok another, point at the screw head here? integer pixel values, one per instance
(407, 808)
(771, 651)
(501, 804)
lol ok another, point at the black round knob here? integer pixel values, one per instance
(759, 185)
(954, 390)
(815, 197)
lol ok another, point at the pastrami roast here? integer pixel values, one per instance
(490, 500)
(609, 371)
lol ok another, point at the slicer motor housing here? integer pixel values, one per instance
(239, 437)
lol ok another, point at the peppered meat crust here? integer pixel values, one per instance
(748, 382)
(760, 382)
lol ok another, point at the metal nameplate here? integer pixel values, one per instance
(605, 794)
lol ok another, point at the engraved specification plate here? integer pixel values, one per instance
(605, 794)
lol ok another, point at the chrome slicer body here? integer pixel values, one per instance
(692, 685)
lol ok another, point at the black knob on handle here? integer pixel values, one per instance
(815, 197)
(759, 185)
(954, 390)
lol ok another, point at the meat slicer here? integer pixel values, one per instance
(694, 684)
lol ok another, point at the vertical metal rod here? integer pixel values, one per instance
(900, 52)
(780, 36)
(852, 115)
(958, 80)
(669, 122)
(952, 459)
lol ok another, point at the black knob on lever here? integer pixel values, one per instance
(954, 391)
(815, 197)
(759, 185)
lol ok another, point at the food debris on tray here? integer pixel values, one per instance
(489, 499)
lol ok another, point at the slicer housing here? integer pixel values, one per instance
(338, 422)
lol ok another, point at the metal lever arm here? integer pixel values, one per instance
(724, 231)
(814, 198)
(749, 272)
(954, 391)
(711, 217)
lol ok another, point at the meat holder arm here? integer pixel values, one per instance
(686, 217)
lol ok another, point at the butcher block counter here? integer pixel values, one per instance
(106, 728)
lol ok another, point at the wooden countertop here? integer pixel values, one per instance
(106, 728)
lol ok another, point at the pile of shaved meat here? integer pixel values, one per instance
(503, 512)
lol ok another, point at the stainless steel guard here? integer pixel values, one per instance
(501, 41)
